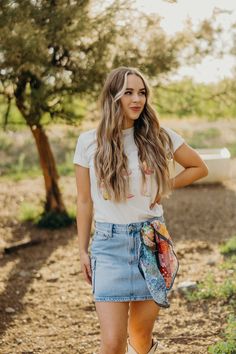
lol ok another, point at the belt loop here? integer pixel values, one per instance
(112, 226)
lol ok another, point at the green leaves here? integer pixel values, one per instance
(228, 344)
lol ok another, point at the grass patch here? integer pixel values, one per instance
(13, 175)
(5, 142)
(204, 138)
(229, 248)
(64, 169)
(229, 263)
(209, 289)
(19, 156)
(226, 290)
(51, 220)
(54, 220)
(29, 212)
(228, 344)
(72, 212)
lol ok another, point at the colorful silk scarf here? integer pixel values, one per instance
(158, 263)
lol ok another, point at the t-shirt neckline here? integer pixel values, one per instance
(128, 131)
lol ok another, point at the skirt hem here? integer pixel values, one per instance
(122, 299)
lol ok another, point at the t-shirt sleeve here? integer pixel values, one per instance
(177, 140)
(80, 155)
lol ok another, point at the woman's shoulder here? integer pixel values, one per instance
(171, 132)
(85, 147)
(87, 137)
(177, 139)
(88, 134)
(168, 130)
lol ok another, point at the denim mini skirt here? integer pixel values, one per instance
(114, 262)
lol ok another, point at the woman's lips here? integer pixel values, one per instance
(135, 109)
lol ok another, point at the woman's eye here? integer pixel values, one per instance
(142, 93)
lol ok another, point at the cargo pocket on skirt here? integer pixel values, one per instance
(93, 269)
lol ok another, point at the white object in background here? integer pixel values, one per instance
(217, 161)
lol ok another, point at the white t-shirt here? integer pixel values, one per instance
(137, 206)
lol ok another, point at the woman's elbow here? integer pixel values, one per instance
(204, 170)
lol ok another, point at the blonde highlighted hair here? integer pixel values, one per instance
(153, 143)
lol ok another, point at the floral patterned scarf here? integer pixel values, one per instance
(158, 263)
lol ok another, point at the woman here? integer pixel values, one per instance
(121, 175)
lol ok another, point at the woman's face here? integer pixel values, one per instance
(133, 100)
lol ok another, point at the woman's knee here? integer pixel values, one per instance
(113, 344)
(142, 318)
(113, 319)
(143, 330)
(144, 334)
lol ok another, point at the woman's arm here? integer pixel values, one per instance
(194, 167)
(84, 218)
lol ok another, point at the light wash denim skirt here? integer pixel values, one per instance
(114, 262)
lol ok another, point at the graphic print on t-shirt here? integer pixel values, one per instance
(105, 193)
(146, 187)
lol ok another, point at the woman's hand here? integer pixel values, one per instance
(86, 267)
(156, 201)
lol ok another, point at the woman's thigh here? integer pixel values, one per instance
(142, 312)
(113, 319)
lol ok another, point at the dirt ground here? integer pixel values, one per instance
(46, 307)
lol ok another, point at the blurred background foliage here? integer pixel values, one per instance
(54, 57)
(56, 54)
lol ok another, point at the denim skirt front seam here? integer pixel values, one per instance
(114, 262)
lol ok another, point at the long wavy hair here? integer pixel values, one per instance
(155, 148)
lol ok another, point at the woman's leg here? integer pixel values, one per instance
(113, 318)
(140, 324)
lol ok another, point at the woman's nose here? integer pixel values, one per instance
(136, 97)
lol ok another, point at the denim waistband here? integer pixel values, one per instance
(132, 227)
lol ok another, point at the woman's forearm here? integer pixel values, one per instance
(188, 176)
(84, 221)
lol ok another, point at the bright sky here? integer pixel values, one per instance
(173, 17)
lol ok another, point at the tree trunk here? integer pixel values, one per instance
(53, 196)
(31, 111)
